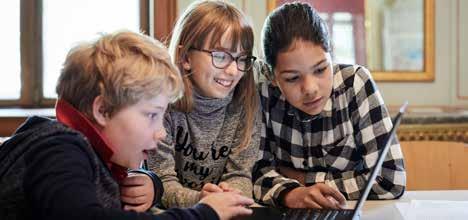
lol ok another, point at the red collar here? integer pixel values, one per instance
(71, 117)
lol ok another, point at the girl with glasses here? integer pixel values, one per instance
(213, 130)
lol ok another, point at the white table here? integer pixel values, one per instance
(387, 209)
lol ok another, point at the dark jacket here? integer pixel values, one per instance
(49, 171)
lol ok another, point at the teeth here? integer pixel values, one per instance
(225, 83)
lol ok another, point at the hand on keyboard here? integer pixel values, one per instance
(318, 195)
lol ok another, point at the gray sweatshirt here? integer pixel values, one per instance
(202, 147)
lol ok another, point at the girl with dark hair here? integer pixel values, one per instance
(323, 123)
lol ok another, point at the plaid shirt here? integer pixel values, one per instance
(338, 147)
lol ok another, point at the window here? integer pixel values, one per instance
(343, 38)
(32, 61)
(10, 56)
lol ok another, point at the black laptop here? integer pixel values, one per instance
(343, 214)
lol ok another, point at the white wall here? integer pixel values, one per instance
(462, 48)
(443, 90)
(451, 56)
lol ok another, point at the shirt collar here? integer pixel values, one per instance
(72, 118)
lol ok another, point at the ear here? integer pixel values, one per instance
(273, 82)
(186, 63)
(184, 59)
(99, 113)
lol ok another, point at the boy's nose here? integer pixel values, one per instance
(160, 134)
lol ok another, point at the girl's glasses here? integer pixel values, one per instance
(221, 59)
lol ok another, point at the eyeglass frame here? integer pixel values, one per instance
(231, 57)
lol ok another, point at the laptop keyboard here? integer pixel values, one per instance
(319, 214)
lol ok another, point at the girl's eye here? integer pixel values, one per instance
(219, 56)
(321, 70)
(292, 79)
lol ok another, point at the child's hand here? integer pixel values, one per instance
(227, 188)
(137, 192)
(208, 189)
(318, 195)
(228, 204)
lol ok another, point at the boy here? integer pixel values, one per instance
(112, 95)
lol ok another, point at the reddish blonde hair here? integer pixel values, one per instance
(210, 20)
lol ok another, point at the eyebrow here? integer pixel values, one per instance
(158, 107)
(228, 50)
(313, 67)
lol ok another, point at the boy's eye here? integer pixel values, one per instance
(152, 115)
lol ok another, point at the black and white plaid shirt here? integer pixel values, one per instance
(338, 147)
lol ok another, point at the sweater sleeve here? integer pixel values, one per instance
(163, 164)
(238, 173)
(59, 185)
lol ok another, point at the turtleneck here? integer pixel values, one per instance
(207, 107)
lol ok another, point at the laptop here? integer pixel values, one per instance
(344, 214)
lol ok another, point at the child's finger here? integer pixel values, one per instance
(209, 187)
(133, 191)
(138, 200)
(135, 180)
(137, 208)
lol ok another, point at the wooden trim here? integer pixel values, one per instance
(47, 103)
(31, 53)
(9, 125)
(434, 132)
(144, 16)
(428, 74)
(271, 5)
(165, 14)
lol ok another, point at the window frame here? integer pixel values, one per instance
(31, 52)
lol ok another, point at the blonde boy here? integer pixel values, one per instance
(112, 95)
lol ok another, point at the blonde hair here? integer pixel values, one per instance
(204, 20)
(123, 67)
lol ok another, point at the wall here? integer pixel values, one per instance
(450, 87)
(462, 49)
(255, 10)
(448, 24)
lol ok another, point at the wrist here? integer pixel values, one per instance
(289, 197)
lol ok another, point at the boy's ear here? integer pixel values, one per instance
(98, 111)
